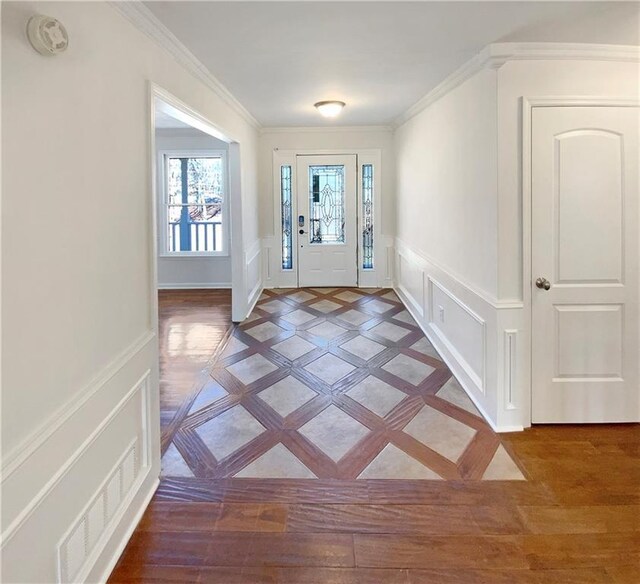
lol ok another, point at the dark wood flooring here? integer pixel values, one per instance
(576, 520)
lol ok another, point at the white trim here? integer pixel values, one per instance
(142, 384)
(324, 129)
(506, 304)
(374, 278)
(164, 253)
(497, 54)
(145, 21)
(479, 379)
(527, 105)
(110, 524)
(184, 112)
(111, 564)
(451, 364)
(195, 286)
(510, 339)
(25, 450)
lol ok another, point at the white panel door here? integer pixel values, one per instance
(327, 221)
(585, 264)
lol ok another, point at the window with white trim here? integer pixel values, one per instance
(194, 221)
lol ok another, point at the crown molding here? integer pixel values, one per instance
(145, 21)
(323, 129)
(495, 55)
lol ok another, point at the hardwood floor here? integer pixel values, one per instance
(192, 324)
(575, 520)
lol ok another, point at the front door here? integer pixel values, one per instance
(585, 264)
(327, 221)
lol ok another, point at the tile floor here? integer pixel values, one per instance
(330, 383)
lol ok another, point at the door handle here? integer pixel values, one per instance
(302, 232)
(543, 283)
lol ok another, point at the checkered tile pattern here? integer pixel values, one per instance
(333, 384)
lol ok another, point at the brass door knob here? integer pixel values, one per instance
(543, 283)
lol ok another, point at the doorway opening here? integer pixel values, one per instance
(194, 223)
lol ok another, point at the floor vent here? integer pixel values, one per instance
(93, 526)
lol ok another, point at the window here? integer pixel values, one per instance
(286, 212)
(367, 216)
(194, 207)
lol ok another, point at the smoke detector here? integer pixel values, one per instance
(47, 35)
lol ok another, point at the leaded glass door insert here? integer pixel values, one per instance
(326, 220)
(326, 204)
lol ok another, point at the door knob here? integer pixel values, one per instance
(543, 283)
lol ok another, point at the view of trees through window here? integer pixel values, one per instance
(195, 191)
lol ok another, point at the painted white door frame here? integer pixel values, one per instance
(528, 103)
(279, 278)
(185, 113)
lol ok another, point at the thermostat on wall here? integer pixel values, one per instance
(47, 35)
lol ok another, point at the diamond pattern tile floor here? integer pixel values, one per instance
(293, 347)
(390, 331)
(287, 395)
(298, 317)
(329, 368)
(363, 347)
(229, 431)
(265, 331)
(327, 330)
(379, 404)
(334, 432)
(409, 369)
(251, 369)
(444, 434)
(376, 395)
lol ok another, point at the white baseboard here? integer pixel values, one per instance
(446, 357)
(466, 327)
(195, 286)
(111, 564)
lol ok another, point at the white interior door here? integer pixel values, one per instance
(585, 260)
(327, 221)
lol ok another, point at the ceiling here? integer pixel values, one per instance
(278, 58)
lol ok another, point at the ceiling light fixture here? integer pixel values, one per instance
(329, 109)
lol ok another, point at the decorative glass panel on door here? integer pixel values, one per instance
(326, 205)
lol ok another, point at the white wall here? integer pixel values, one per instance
(447, 183)
(190, 272)
(327, 140)
(80, 365)
(459, 263)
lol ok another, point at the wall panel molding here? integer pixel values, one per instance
(140, 388)
(16, 458)
(467, 329)
(477, 376)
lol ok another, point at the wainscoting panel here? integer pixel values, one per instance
(474, 334)
(79, 485)
(460, 329)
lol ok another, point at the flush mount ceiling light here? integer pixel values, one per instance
(329, 109)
